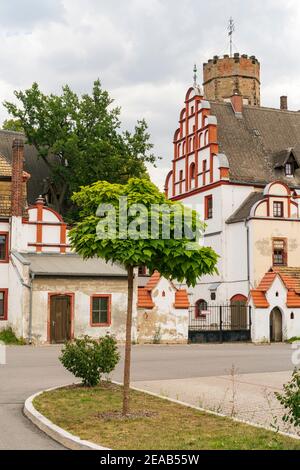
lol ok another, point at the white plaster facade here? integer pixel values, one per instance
(243, 225)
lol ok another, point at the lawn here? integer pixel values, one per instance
(91, 413)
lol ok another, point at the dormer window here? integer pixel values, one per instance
(289, 169)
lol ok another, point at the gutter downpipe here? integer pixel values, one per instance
(248, 255)
(30, 308)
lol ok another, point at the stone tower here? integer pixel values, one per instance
(226, 76)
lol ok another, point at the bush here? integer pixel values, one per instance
(88, 358)
(290, 399)
(7, 336)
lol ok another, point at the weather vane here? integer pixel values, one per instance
(231, 29)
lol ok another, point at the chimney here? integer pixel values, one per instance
(17, 178)
(283, 103)
(237, 103)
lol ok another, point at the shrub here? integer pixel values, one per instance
(290, 399)
(7, 336)
(88, 358)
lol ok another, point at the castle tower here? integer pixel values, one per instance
(226, 76)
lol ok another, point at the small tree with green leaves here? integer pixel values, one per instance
(135, 224)
(290, 399)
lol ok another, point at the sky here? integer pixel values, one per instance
(144, 51)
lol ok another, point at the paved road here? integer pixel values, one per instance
(30, 369)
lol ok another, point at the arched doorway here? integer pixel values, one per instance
(239, 312)
(276, 325)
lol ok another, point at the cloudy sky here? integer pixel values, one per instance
(144, 50)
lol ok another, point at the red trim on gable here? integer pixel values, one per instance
(144, 298)
(63, 237)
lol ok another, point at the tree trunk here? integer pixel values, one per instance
(128, 343)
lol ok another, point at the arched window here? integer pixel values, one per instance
(201, 306)
(183, 148)
(194, 143)
(206, 138)
(201, 140)
(178, 150)
(192, 174)
(190, 144)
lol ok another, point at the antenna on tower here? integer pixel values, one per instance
(231, 28)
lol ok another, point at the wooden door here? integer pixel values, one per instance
(60, 318)
(276, 326)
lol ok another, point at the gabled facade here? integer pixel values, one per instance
(238, 166)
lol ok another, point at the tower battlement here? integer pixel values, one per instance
(225, 76)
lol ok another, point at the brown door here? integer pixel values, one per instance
(239, 315)
(276, 325)
(60, 318)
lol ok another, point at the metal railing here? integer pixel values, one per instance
(220, 317)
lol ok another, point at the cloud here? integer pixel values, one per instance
(16, 15)
(144, 52)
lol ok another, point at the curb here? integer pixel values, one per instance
(65, 438)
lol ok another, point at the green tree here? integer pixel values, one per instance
(12, 125)
(103, 232)
(80, 140)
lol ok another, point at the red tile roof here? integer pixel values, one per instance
(181, 299)
(267, 281)
(144, 298)
(291, 279)
(153, 281)
(293, 299)
(259, 298)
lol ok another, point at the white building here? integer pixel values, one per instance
(239, 166)
(49, 294)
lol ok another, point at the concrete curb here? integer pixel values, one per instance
(65, 438)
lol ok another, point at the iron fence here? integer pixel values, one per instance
(220, 317)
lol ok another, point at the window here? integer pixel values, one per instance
(213, 296)
(204, 172)
(289, 169)
(201, 306)
(180, 175)
(208, 207)
(192, 171)
(3, 247)
(279, 252)
(3, 304)
(100, 310)
(142, 271)
(278, 209)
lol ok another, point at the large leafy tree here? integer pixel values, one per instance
(106, 231)
(79, 139)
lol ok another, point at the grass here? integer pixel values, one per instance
(169, 426)
(293, 339)
(7, 336)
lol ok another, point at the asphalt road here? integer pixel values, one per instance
(30, 369)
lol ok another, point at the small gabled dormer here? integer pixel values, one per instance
(287, 162)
